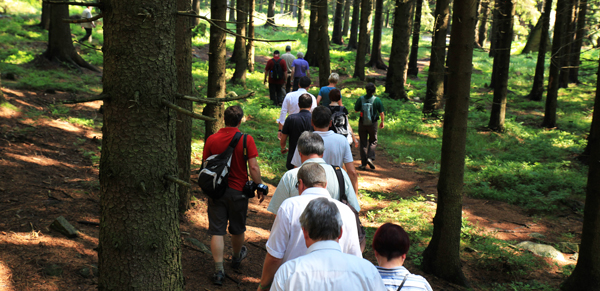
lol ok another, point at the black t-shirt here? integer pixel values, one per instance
(294, 126)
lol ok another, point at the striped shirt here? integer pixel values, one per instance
(392, 278)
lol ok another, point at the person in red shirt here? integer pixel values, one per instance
(233, 206)
(276, 92)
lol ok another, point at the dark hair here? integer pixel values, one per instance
(276, 52)
(335, 95)
(321, 116)
(304, 82)
(233, 115)
(288, 48)
(391, 241)
(370, 89)
(305, 101)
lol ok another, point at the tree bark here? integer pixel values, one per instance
(555, 64)
(185, 86)
(241, 64)
(139, 243)
(363, 41)
(45, 18)
(215, 87)
(2, 99)
(346, 18)
(437, 68)
(483, 19)
(336, 36)
(396, 74)
(323, 60)
(502, 64)
(301, 4)
(494, 30)
(413, 68)
(232, 11)
(196, 5)
(376, 60)
(476, 35)
(441, 257)
(586, 275)
(353, 42)
(313, 34)
(295, 9)
(569, 35)
(576, 49)
(537, 90)
(250, 42)
(271, 14)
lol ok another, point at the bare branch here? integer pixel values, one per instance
(82, 20)
(99, 5)
(193, 14)
(103, 97)
(187, 112)
(178, 181)
(215, 101)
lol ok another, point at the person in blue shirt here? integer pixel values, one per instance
(323, 98)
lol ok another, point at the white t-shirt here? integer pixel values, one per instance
(86, 14)
(290, 104)
(325, 267)
(337, 150)
(287, 240)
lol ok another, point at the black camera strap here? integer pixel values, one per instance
(246, 154)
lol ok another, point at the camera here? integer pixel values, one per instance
(250, 187)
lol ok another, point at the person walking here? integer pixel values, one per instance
(300, 68)
(323, 97)
(289, 59)
(88, 26)
(276, 72)
(290, 103)
(295, 124)
(371, 110)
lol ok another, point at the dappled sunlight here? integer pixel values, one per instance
(62, 125)
(6, 112)
(5, 277)
(40, 160)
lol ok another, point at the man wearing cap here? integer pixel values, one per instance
(289, 59)
(275, 84)
(299, 70)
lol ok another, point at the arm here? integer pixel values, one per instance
(381, 115)
(352, 175)
(266, 75)
(282, 143)
(319, 99)
(282, 116)
(270, 267)
(255, 175)
(293, 73)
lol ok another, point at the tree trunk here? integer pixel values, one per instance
(271, 14)
(586, 275)
(376, 60)
(569, 35)
(441, 257)
(483, 19)
(2, 99)
(363, 41)
(196, 5)
(396, 74)
(370, 26)
(231, 10)
(346, 18)
(301, 4)
(502, 64)
(241, 64)
(313, 34)
(295, 9)
(185, 85)
(250, 42)
(45, 19)
(537, 90)
(534, 38)
(139, 243)
(353, 42)
(323, 42)
(437, 69)
(215, 87)
(476, 35)
(576, 49)
(336, 36)
(413, 68)
(60, 45)
(555, 64)
(494, 30)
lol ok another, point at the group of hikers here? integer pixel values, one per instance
(316, 240)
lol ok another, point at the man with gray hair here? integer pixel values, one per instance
(289, 58)
(325, 266)
(311, 147)
(286, 241)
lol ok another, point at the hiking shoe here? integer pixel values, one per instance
(362, 167)
(218, 278)
(236, 263)
(370, 163)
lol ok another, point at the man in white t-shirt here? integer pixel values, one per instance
(88, 26)
(286, 241)
(290, 103)
(337, 150)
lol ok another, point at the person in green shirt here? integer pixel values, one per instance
(367, 126)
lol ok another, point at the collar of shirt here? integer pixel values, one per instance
(301, 90)
(229, 129)
(317, 191)
(324, 245)
(315, 160)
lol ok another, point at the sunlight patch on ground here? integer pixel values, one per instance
(5, 277)
(62, 125)
(6, 112)
(35, 238)
(40, 160)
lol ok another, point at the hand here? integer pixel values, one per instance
(355, 142)
(279, 135)
(264, 81)
(260, 196)
(381, 125)
(284, 151)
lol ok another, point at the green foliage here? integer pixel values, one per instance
(522, 286)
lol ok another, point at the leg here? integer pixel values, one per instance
(295, 87)
(288, 83)
(273, 93)
(217, 244)
(86, 37)
(362, 134)
(372, 141)
(238, 209)
(237, 241)
(280, 94)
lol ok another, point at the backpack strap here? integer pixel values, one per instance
(402, 284)
(246, 153)
(341, 183)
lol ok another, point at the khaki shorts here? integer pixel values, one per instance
(232, 207)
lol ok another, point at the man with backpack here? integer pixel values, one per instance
(232, 206)
(276, 72)
(371, 109)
